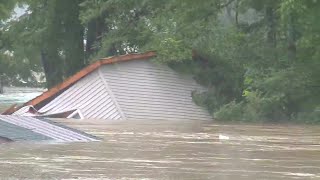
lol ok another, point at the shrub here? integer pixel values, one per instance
(309, 117)
(255, 108)
(230, 112)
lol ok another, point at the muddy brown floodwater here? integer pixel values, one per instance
(170, 150)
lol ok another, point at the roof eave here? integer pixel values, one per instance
(82, 73)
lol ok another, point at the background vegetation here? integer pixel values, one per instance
(260, 59)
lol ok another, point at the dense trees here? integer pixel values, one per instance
(49, 35)
(258, 58)
(62, 49)
(5, 12)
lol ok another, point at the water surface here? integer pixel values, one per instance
(17, 95)
(170, 150)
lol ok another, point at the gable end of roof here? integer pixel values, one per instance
(82, 73)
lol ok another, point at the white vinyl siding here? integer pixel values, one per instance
(89, 95)
(145, 90)
(138, 89)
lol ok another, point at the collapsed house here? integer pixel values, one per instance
(119, 88)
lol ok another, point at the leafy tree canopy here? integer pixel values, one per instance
(259, 59)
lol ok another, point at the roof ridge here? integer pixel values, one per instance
(80, 74)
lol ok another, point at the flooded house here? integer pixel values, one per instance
(126, 87)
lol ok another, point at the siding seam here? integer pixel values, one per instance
(111, 94)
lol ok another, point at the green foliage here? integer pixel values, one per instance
(12, 70)
(288, 88)
(255, 69)
(6, 8)
(46, 38)
(230, 112)
(255, 108)
(125, 28)
(260, 107)
(312, 117)
(261, 70)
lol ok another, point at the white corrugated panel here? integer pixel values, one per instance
(47, 129)
(24, 111)
(145, 90)
(90, 96)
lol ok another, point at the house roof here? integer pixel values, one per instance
(131, 90)
(14, 132)
(20, 128)
(82, 73)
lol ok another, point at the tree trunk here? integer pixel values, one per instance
(52, 71)
(237, 13)
(91, 38)
(97, 27)
(291, 37)
(1, 85)
(271, 26)
(270, 16)
(51, 60)
(73, 38)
